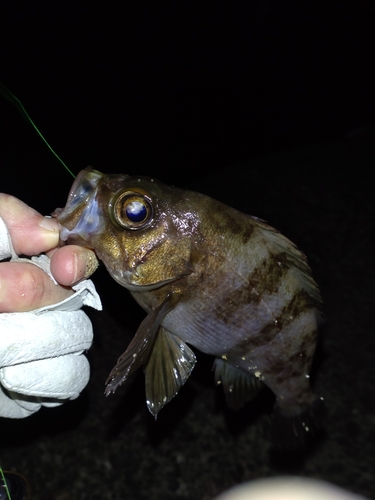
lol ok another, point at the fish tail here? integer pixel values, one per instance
(293, 431)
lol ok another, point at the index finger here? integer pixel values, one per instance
(31, 233)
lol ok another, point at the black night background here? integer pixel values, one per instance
(265, 105)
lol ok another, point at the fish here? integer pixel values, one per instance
(210, 278)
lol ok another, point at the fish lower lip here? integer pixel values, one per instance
(64, 233)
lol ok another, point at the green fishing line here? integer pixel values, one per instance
(5, 483)
(16, 102)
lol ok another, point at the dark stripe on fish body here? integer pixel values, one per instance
(303, 358)
(231, 222)
(265, 279)
(299, 303)
(268, 275)
(227, 308)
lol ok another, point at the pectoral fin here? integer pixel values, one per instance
(169, 366)
(140, 347)
(239, 387)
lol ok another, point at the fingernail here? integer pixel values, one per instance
(51, 232)
(50, 224)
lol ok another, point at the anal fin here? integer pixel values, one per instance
(239, 387)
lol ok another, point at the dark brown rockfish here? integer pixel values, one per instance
(208, 276)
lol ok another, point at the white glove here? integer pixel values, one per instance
(41, 360)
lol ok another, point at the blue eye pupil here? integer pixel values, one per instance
(136, 211)
(131, 210)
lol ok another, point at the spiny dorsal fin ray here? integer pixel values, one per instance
(168, 368)
(140, 347)
(239, 387)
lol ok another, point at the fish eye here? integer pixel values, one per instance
(132, 210)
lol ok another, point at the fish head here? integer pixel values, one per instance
(134, 224)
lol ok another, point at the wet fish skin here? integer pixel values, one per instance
(209, 276)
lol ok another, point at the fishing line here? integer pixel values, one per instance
(18, 104)
(4, 485)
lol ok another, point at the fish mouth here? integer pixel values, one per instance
(81, 215)
(70, 237)
(78, 224)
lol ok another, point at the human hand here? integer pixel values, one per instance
(24, 287)
(41, 342)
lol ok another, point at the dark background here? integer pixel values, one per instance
(265, 105)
